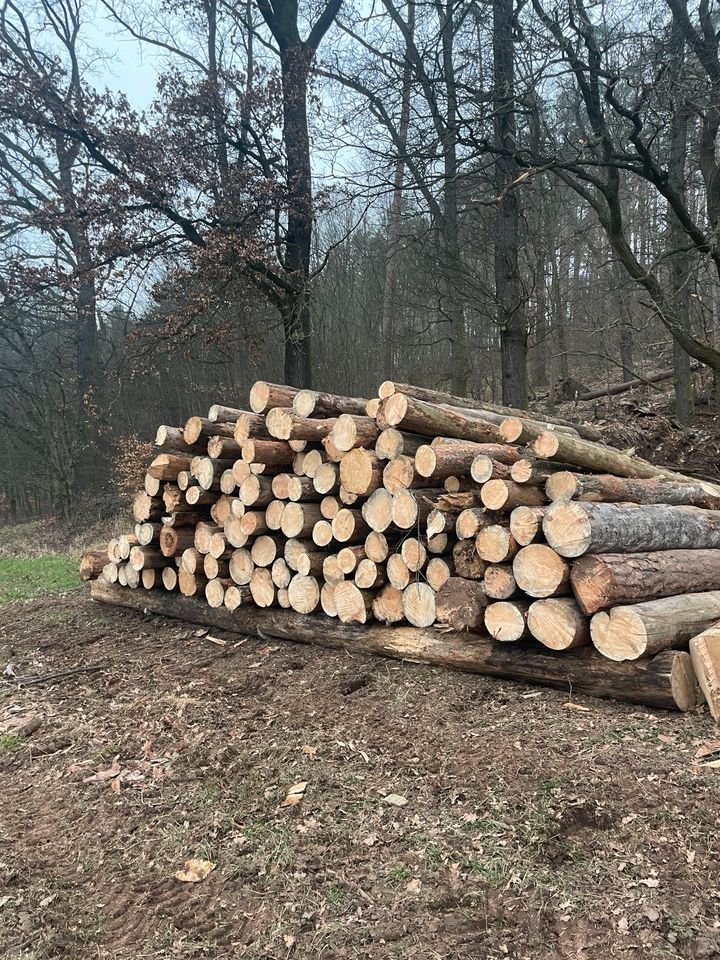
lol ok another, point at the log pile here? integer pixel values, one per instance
(529, 549)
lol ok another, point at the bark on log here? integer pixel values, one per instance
(221, 414)
(166, 466)
(605, 488)
(92, 564)
(313, 403)
(265, 395)
(506, 495)
(499, 582)
(705, 653)
(617, 388)
(558, 623)
(387, 606)
(540, 572)
(467, 562)
(520, 432)
(273, 453)
(223, 448)
(607, 580)
(251, 426)
(430, 420)
(284, 424)
(173, 438)
(573, 528)
(461, 604)
(665, 681)
(455, 459)
(641, 629)
(198, 430)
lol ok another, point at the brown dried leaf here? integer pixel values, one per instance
(295, 794)
(195, 870)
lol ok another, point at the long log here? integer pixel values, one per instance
(352, 431)
(456, 459)
(665, 681)
(93, 563)
(313, 403)
(626, 385)
(705, 653)
(627, 633)
(606, 488)
(284, 424)
(607, 580)
(264, 395)
(573, 528)
(430, 420)
(173, 438)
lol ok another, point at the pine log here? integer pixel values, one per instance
(169, 578)
(331, 451)
(540, 572)
(241, 566)
(253, 523)
(705, 653)
(411, 507)
(470, 522)
(113, 550)
(207, 472)
(428, 419)
(236, 596)
(283, 598)
(349, 557)
(264, 395)
(397, 571)
(483, 469)
(312, 460)
(360, 472)
(191, 584)
(145, 558)
(191, 560)
(377, 510)
(173, 497)
(311, 403)
(526, 524)
(601, 459)
(438, 543)
(265, 549)
(147, 532)
(558, 623)
(147, 508)
(354, 431)
(329, 507)
(166, 466)
(346, 497)
(203, 535)
(110, 572)
(495, 544)
(372, 406)
(326, 479)
(506, 620)
(304, 593)
(393, 443)
(399, 474)
(438, 572)
(327, 599)
(439, 522)
(419, 604)
(222, 509)
(132, 577)
(377, 547)
(151, 485)
(219, 545)
(352, 604)
(519, 431)
(122, 569)
(573, 528)
(605, 488)
(322, 533)
(198, 430)
(506, 495)
(215, 591)
(197, 497)
(92, 564)
(299, 519)
(461, 604)
(414, 554)
(284, 424)
(223, 448)
(459, 484)
(173, 541)
(387, 606)
(262, 588)
(274, 514)
(666, 681)
(439, 461)
(281, 573)
(273, 453)
(240, 471)
(388, 388)
(499, 582)
(220, 414)
(467, 562)
(332, 572)
(234, 533)
(607, 580)
(641, 629)
(534, 471)
(214, 567)
(172, 438)
(369, 575)
(256, 491)
(349, 525)
(251, 426)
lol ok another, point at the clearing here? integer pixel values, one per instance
(536, 824)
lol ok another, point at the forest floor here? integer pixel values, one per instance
(445, 815)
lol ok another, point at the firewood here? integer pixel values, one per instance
(612, 579)
(326, 478)
(414, 554)
(281, 573)
(495, 544)
(506, 620)
(352, 604)
(461, 604)
(262, 588)
(377, 511)
(387, 606)
(349, 526)
(499, 582)
(484, 469)
(311, 403)
(92, 564)
(284, 424)
(393, 443)
(540, 572)
(299, 519)
(265, 549)
(369, 575)
(558, 623)
(397, 571)
(351, 431)
(349, 557)
(506, 495)
(526, 524)
(573, 528)
(419, 604)
(241, 566)
(327, 599)
(626, 633)
(251, 426)
(361, 472)
(304, 593)
(606, 488)
(467, 562)
(439, 570)
(264, 395)
(705, 653)
(275, 453)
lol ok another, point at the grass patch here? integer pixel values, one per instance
(23, 579)
(8, 742)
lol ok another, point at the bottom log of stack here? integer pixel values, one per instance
(666, 680)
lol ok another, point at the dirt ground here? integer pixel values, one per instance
(445, 815)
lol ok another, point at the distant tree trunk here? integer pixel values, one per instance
(394, 245)
(508, 290)
(541, 326)
(559, 294)
(677, 239)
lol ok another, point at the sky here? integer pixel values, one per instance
(128, 67)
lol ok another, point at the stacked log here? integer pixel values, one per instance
(438, 513)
